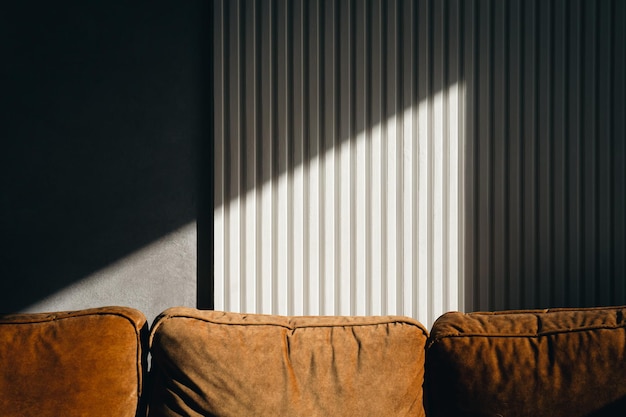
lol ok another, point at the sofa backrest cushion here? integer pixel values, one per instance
(229, 364)
(562, 362)
(81, 363)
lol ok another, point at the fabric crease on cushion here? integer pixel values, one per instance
(78, 363)
(231, 364)
(552, 363)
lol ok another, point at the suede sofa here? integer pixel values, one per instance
(79, 363)
(562, 362)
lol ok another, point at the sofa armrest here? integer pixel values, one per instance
(552, 363)
(78, 363)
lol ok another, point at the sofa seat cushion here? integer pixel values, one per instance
(81, 363)
(561, 362)
(230, 364)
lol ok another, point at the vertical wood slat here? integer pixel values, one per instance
(339, 140)
(617, 131)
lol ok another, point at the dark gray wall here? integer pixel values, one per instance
(546, 176)
(104, 124)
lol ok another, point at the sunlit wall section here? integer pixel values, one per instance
(339, 157)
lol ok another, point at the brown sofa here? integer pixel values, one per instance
(563, 362)
(80, 363)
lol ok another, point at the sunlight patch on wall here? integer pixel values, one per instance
(374, 225)
(338, 157)
(170, 262)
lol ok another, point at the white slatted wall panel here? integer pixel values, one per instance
(338, 158)
(415, 157)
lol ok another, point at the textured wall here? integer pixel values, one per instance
(101, 142)
(413, 157)
(338, 157)
(546, 178)
(370, 156)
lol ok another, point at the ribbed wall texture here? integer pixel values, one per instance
(338, 157)
(415, 157)
(546, 178)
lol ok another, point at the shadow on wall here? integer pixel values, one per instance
(546, 177)
(102, 137)
(337, 138)
(544, 181)
(295, 80)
